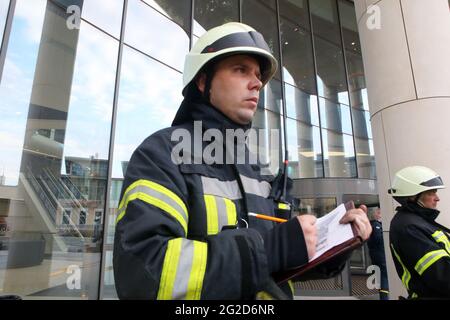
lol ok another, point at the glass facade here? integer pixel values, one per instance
(79, 93)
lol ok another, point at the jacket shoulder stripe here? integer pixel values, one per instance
(157, 196)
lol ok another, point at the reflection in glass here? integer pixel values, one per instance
(295, 11)
(149, 31)
(105, 14)
(54, 216)
(325, 21)
(331, 81)
(335, 116)
(352, 45)
(301, 106)
(339, 154)
(305, 154)
(296, 45)
(317, 206)
(361, 124)
(270, 97)
(212, 13)
(150, 95)
(365, 158)
(270, 144)
(4, 4)
(176, 10)
(262, 16)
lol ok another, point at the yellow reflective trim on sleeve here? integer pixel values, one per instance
(231, 211)
(428, 259)
(283, 206)
(440, 237)
(157, 187)
(169, 270)
(212, 218)
(291, 286)
(406, 275)
(197, 274)
(159, 192)
(157, 203)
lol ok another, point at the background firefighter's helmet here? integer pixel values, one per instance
(411, 181)
(226, 40)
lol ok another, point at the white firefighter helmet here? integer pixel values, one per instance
(413, 180)
(226, 40)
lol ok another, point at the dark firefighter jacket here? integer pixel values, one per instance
(175, 236)
(421, 252)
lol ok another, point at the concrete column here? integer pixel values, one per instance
(407, 70)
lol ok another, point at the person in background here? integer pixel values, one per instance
(419, 245)
(377, 253)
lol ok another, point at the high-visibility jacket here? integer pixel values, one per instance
(421, 252)
(175, 236)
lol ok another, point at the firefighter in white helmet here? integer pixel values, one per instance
(419, 245)
(184, 228)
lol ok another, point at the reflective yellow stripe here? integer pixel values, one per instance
(291, 286)
(263, 295)
(383, 291)
(212, 218)
(428, 259)
(183, 270)
(169, 269)
(157, 195)
(197, 275)
(157, 203)
(414, 295)
(231, 211)
(283, 206)
(406, 275)
(439, 236)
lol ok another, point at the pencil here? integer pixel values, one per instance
(264, 217)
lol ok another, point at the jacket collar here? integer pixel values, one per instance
(426, 213)
(210, 116)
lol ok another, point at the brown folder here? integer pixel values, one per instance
(344, 247)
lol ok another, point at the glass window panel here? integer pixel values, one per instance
(334, 116)
(298, 62)
(154, 34)
(339, 154)
(325, 20)
(270, 144)
(149, 103)
(16, 85)
(317, 206)
(361, 124)
(305, 153)
(261, 15)
(212, 13)
(178, 11)
(301, 106)
(295, 11)
(4, 4)
(105, 14)
(352, 45)
(270, 97)
(365, 158)
(331, 81)
(62, 180)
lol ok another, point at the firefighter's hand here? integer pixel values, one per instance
(308, 223)
(360, 221)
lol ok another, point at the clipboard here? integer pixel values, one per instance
(346, 246)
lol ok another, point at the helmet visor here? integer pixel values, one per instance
(435, 182)
(240, 39)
